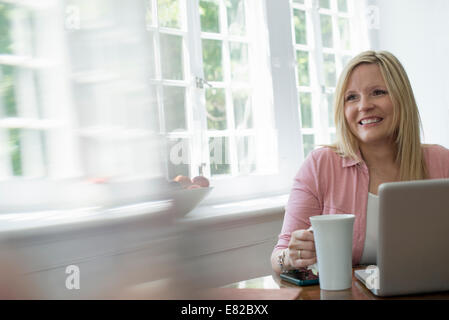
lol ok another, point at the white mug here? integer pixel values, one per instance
(333, 244)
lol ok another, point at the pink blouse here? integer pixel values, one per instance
(327, 183)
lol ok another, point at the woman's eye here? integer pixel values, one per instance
(350, 97)
(379, 92)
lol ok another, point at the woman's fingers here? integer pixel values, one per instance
(301, 249)
(303, 235)
(302, 263)
(301, 255)
(306, 254)
(302, 245)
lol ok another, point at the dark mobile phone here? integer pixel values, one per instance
(300, 277)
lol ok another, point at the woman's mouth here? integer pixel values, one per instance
(369, 122)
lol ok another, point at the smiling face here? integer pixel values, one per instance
(368, 107)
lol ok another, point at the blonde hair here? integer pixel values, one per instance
(406, 119)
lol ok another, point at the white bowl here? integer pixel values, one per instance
(185, 200)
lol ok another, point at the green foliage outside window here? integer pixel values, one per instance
(7, 95)
(305, 100)
(14, 150)
(212, 57)
(168, 13)
(8, 102)
(302, 58)
(325, 4)
(5, 38)
(299, 17)
(216, 109)
(308, 143)
(209, 14)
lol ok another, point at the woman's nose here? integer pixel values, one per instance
(365, 104)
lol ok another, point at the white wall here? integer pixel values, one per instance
(417, 32)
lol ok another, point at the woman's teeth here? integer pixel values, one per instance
(368, 121)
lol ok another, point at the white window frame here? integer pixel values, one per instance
(321, 129)
(232, 187)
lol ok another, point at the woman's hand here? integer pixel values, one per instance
(301, 249)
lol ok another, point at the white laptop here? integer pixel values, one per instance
(413, 247)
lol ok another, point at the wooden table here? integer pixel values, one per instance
(357, 292)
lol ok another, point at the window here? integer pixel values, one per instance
(33, 102)
(76, 103)
(326, 35)
(111, 62)
(211, 73)
(152, 89)
(94, 89)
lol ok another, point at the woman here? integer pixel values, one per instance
(378, 140)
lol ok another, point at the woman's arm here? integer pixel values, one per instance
(305, 201)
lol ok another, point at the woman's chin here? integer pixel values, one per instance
(374, 140)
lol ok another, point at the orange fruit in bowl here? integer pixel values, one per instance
(183, 181)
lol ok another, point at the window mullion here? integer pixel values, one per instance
(200, 142)
(232, 153)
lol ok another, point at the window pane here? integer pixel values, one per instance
(345, 37)
(236, 16)
(219, 155)
(8, 98)
(242, 109)
(17, 29)
(239, 61)
(168, 13)
(89, 14)
(326, 30)
(174, 108)
(5, 28)
(329, 70)
(15, 151)
(216, 109)
(302, 59)
(246, 152)
(26, 152)
(330, 109)
(179, 158)
(209, 13)
(172, 57)
(212, 60)
(305, 100)
(343, 5)
(22, 91)
(333, 137)
(298, 1)
(325, 4)
(299, 17)
(308, 141)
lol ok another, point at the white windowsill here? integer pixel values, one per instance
(236, 210)
(210, 214)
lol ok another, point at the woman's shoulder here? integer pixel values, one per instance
(437, 160)
(324, 155)
(435, 150)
